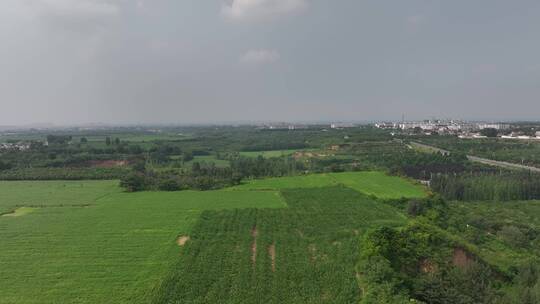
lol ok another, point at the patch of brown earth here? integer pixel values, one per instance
(107, 163)
(462, 258)
(272, 254)
(182, 240)
(427, 266)
(254, 234)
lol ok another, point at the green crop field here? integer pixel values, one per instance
(371, 183)
(292, 239)
(379, 184)
(301, 254)
(289, 182)
(90, 243)
(53, 193)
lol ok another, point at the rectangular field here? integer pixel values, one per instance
(367, 182)
(302, 254)
(380, 185)
(52, 193)
(91, 243)
(289, 182)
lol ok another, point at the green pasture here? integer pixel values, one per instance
(370, 183)
(379, 184)
(91, 243)
(288, 182)
(52, 193)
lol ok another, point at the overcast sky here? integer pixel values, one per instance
(186, 61)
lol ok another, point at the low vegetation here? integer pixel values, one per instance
(248, 215)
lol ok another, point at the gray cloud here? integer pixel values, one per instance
(249, 10)
(260, 57)
(125, 61)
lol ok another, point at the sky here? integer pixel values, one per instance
(204, 61)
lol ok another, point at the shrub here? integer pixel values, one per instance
(512, 235)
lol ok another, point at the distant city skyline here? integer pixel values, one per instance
(75, 62)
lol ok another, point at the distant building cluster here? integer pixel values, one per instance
(288, 126)
(283, 126)
(431, 126)
(516, 135)
(21, 146)
(341, 125)
(462, 129)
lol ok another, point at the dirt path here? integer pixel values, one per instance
(254, 234)
(272, 253)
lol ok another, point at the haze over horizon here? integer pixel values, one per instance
(169, 61)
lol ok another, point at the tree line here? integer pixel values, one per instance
(501, 186)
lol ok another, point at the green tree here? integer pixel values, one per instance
(133, 182)
(489, 132)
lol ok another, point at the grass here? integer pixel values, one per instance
(380, 184)
(200, 200)
(92, 243)
(20, 211)
(370, 183)
(52, 193)
(289, 182)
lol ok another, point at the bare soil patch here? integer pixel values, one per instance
(254, 234)
(462, 258)
(427, 266)
(182, 240)
(107, 163)
(272, 254)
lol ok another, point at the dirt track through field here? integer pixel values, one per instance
(272, 253)
(254, 234)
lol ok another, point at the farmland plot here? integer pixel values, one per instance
(367, 182)
(302, 254)
(79, 246)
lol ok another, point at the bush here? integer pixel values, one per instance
(415, 208)
(169, 185)
(512, 235)
(133, 182)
